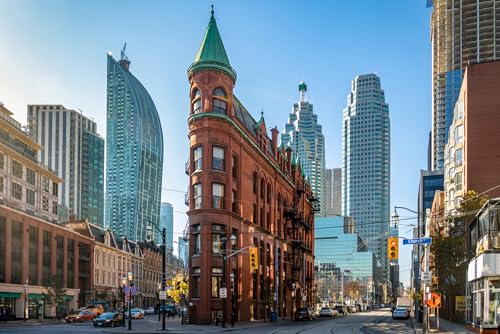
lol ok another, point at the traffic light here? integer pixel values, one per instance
(254, 258)
(178, 285)
(392, 248)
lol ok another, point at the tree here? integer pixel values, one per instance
(180, 288)
(55, 295)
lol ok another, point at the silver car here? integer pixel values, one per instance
(400, 313)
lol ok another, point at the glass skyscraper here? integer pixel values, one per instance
(366, 163)
(134, 154)
(333, 192)
(167, 221)
(304, 135)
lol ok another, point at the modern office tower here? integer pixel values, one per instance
(344, 259)
(304, 135)
(71, 147)
(134, 154)
(471, 155)
(333, 192)
(166, 221)
(244, 191)
(462, 31)
(183, 251)
(25, 184)
(366, 163)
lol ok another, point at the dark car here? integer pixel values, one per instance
(341, 309)
(305, 313)
(111, 319)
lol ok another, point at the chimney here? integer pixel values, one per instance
(274, 141)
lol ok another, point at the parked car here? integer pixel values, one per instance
(83, 315)
(136, 313)
(305, 313)
(326, 312)
(149, 310)
(341, 309)
(111, 319)
(400, 313)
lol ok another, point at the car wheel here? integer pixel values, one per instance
(95, 324)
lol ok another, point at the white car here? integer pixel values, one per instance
(400, 313)
(149, 310)
(325, 312)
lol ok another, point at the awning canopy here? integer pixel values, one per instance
(10, 294)
(35, 295)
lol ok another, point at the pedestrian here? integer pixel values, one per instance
(4, 314)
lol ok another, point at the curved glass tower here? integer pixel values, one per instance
(134, 154)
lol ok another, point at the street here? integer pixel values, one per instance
(374, 322)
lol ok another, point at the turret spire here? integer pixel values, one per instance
(302, 90)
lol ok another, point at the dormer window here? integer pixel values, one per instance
(219, 101)
(196, 101)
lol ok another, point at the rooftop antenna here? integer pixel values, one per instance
(123, 57)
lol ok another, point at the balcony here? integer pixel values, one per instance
(186, 168)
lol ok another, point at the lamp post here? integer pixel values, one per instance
(25, 301)
(159, 309)
(224, 265)
(395, 221)
(124, 284)
(233, 299)
(149, 232)
(130, 278)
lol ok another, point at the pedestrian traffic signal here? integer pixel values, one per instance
(392, 248)
(254, 258)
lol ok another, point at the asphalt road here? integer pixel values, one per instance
(373, 322)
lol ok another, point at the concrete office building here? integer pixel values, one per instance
(167, 222)
(462, 32)
(134, 154)
(333, 192)
(304, 135)
(71, 146)
(366, 163)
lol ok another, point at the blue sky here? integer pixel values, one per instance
(54, 51)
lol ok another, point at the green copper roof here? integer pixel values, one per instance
(302, 86)
(212, 54)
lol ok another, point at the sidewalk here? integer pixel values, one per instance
(445, 327)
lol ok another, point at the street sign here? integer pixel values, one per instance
(417, 241)
(434, 300)
(223, 292)
(425, 277)
(163, 295)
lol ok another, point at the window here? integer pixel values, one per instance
(54, 207)
(458, 181)
(458, 157)
(45, 203)
(196, 101)
(2, 161)
(459, 133)
(235, 167)
(255, 181)
(45, 184)
(262, 189)
(460, 109)
(216, 282)
(218, 158)
(17, 191)
(1, 184)
(30, 197)
(197, 239)
(218, 196)
(219, 101)
(216, 244)
(30, 176)
(197, 196)
(17, 169)
(234, 201)
(55, 188)
(196, 282)
(268, 194)
(198, 158)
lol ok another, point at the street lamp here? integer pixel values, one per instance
(25, 300)
(224, 264)
(130, 277)
(149, 233)
(124, 284)
(233, 299)
(159, 311)
(395, 221)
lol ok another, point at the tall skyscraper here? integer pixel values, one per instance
(167, 221)
(72, 148)
(333, 192)
(134, 154)
(462, 31)
(366, 163)
(304, 135)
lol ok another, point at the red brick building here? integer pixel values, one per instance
(243, 185)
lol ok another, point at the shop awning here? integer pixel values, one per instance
(10, 294)
(35, 295)
(68, 297)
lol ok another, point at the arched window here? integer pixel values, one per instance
(219, 101)
(262, 189)
(196, 102)
(255, 182)
(268, 193)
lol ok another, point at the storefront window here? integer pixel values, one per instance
(493, 318)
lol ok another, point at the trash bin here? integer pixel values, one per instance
(274, 316)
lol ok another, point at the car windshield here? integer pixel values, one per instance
(108, 315)
(401, 310)
(135, 310)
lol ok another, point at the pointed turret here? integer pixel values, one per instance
(212, 54)
(302, 90)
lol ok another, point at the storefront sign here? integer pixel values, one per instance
(460, 303)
